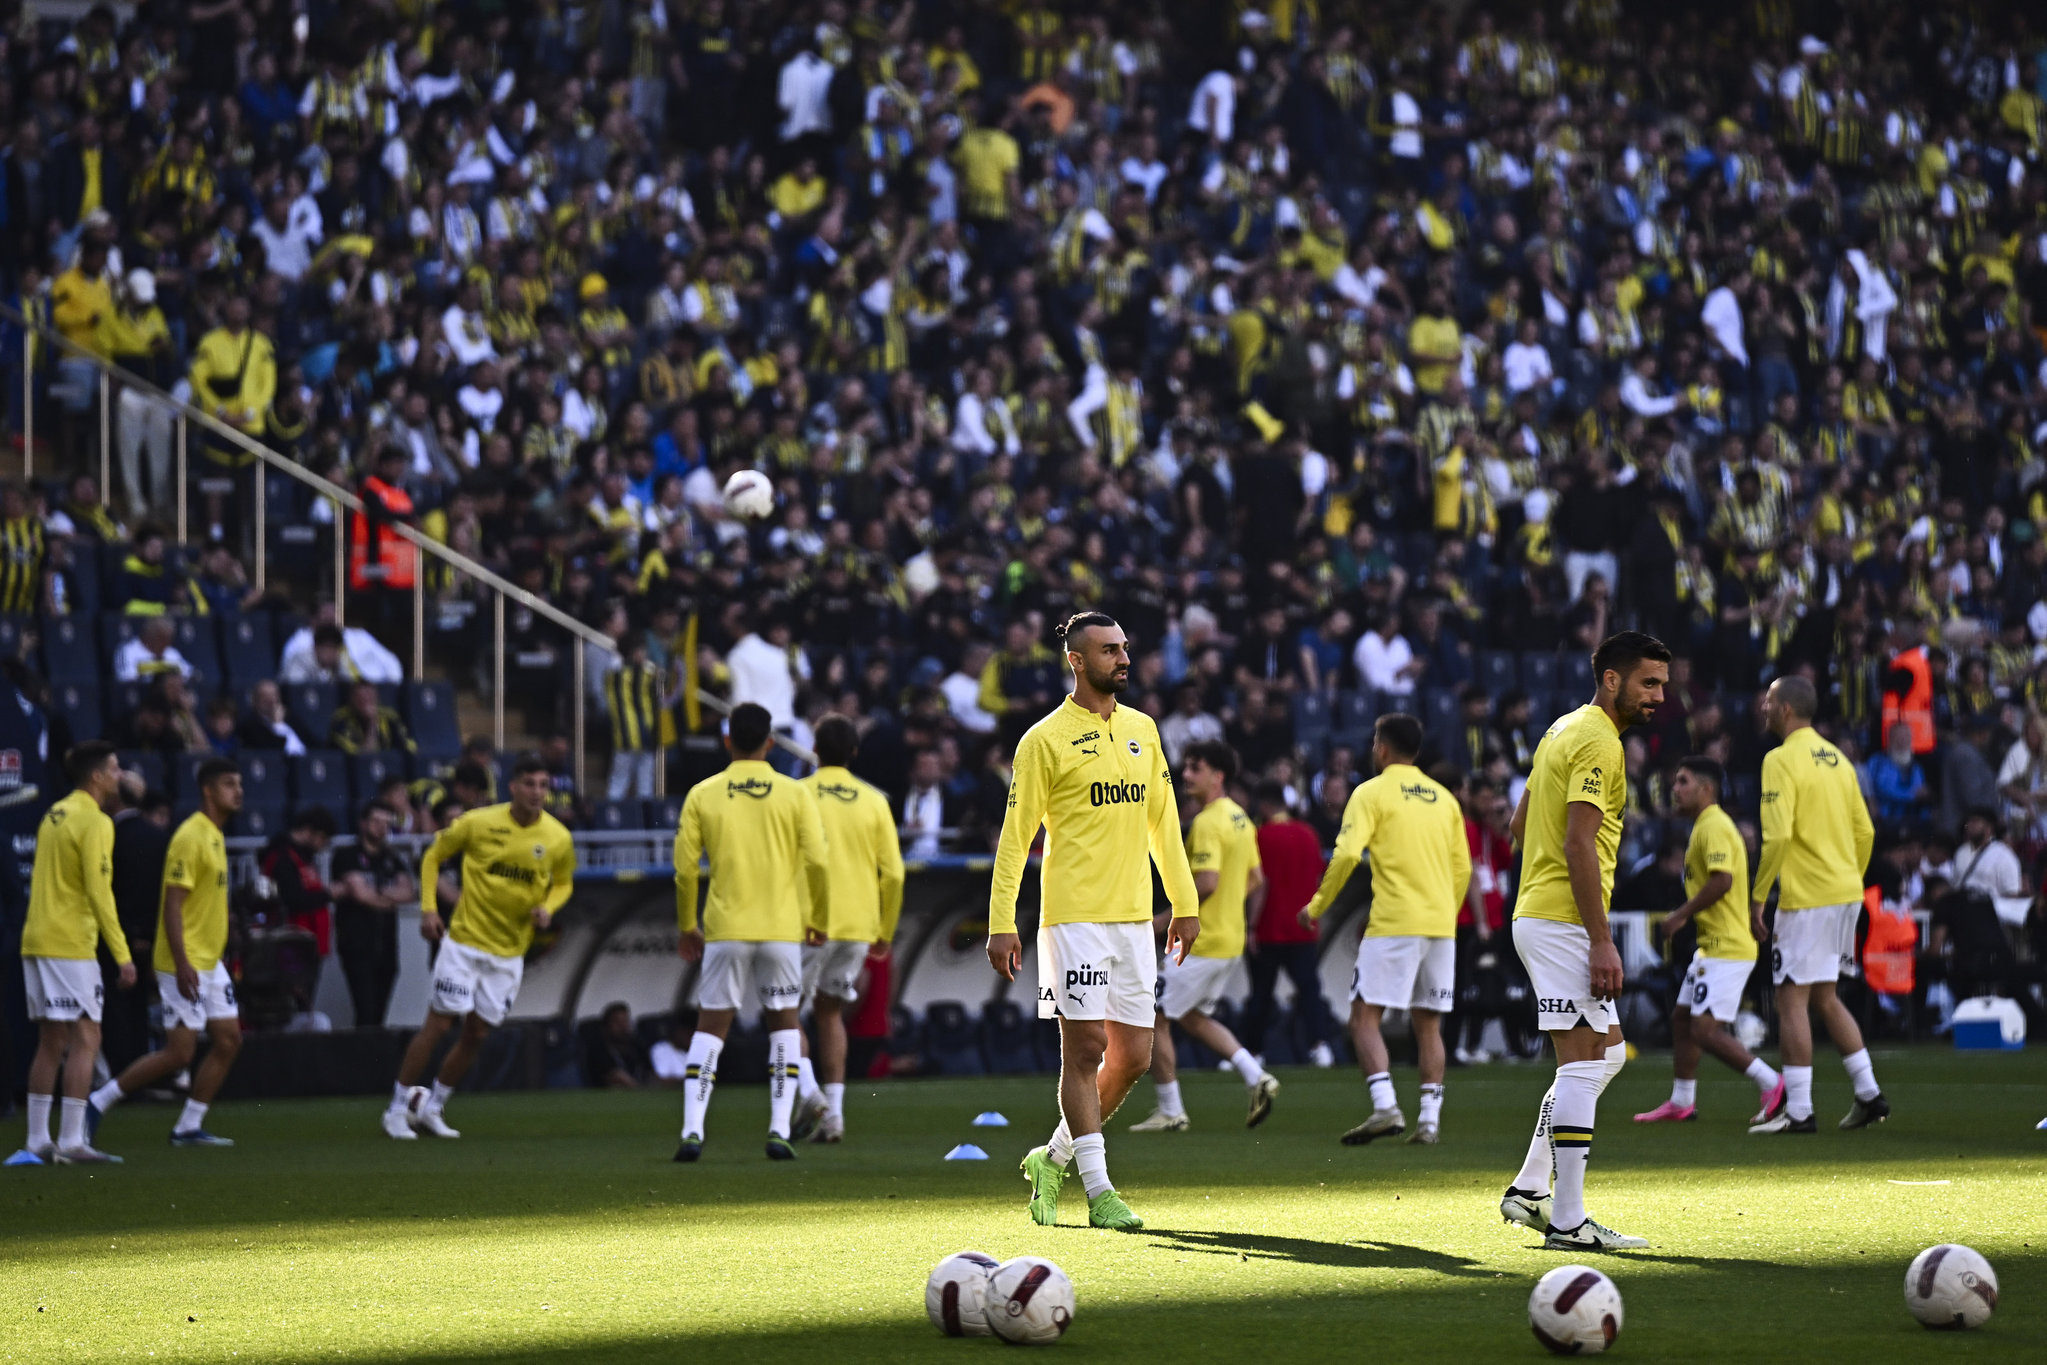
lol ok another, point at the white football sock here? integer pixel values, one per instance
(1432, 1104)
(1169, 1098)
(71, 1127)
(1247, 1066)
(1798, 1085)
(193, 1117)
(1059, 1147)
(401, 1096)
(1380, 1083)
(1684, 1094)
(1578, 1086)
(1861, 1074)
(806, 1079)
(107, 1096)
(785, 1045)
(1763, 1074)
(1537, 1165)
(1091, 1154)
(437, 1099)
(38, 1122)
(835, 1100)
(699, 1074)
(1616, 1058)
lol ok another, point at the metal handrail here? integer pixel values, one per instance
(584, 635)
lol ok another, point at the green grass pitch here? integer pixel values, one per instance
(558, 1230)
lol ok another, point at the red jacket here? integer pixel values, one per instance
(1292, 858)
(1492, 861)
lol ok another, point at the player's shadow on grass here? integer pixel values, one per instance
(1362, 1255)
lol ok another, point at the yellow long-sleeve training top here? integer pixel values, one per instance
(1104, 793)
(1421, 862)
(71, 895)
(1817, 834)
(507, 869)
(1223, 840)
(766, 842)
(864, 857)
(1723, 926)
(1578, 759)
(197, 862)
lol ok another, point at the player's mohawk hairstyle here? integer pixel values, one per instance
(1081, 620)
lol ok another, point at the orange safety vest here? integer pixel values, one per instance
(1890, 951)
(376, 557)
(1915, 705)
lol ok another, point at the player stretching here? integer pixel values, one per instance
(1407, 960)
(1716, 873)
(866, 862)
(518, 868)
(761, 831)
(1222, 850)
(1569, 827)
(1094, 775)
(1816, 838)
(191, 935)
(70, 909)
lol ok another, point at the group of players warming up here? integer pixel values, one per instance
(806, 884)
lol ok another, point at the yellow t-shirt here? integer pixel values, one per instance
(1817, 834)
(1223, 840)
(1578, 759)
(507, 869)
(1437, 336)
(197, 861)
(864, 856)
(81, 306)
(762, 832)
(1723, 926)
(987, 157)
(71, 895)
(1104, 793)
(1421, 861)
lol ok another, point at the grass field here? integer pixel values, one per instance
(558, 1230)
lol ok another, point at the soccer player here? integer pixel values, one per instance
(866, 862)
(191, 936)
(1222, 850)
(1716, 871)
(762, 832)
(1407, 959)
(1569, 827)
(1817, 838)
(70, 911)
(518, 870)
(1094, 775)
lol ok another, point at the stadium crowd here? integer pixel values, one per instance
(1356, 357)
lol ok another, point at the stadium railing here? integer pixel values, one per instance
(185, 416)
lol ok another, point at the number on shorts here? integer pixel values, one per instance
(1699, 992)
(1776, 962)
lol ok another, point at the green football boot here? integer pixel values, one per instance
(1045, 1179)
(1107, 1210)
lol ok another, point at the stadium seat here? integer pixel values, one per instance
(1575, 672)
(368, 772)
(319, 777)
(662, 813)
(430, 714)
(263, 777)
(11, 630)
(79, 704)
(116, 628)
(311, 707)
(150, 765)
(198, 639)
(69, 652)
(248, 651)
(259, 820)
(1355, 712)
(952, 1046)
(1311, 723)
(1006, 1039)
(1539, 670)
(1439, 712)
(90, 568)
(617, 815)
(1497, 671)
(1743, 793)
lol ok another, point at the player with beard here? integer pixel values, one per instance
(1569, 827)
(1095, 776)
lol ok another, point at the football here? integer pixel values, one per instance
(1950, 1287)
(1029, 1302)
(957, 1291)
(749, 495)
(1575, 1311)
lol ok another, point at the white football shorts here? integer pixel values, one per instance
(1098, 971)
(216, 999)
(61, 989)
(738, 973)
(1406, 972)
(832, 968)
(470, 981)
(1713, 985)
(1815, 945)
(1196, 984)
(1559, 961)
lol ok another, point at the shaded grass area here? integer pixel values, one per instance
(557, 1229)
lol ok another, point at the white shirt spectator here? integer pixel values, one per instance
(962, 694)
(1406, 141)
(971, 419)
(1635, 396)
(1722, 316)
(1527, 367)
(801, 92)
(133, 662)
(1146, 175)
(1382, 663)
(361, 657)
(288, 250)
(1179, 730)
(923, 817)
(766, 675)
(467, 337)
(1993, 870)
(1359, 289)
(1214, 110)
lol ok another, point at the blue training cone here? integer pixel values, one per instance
(991, 1119)
(966, 1151)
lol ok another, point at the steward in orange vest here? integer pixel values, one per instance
(379, 557)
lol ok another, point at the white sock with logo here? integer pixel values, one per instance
(1763, 1074)
(1169, 1099)
(835, 1100)
(1861, 1074)
(1577, 1107)
(71, 1126)
(437, 1099)
(806, 1079)
(1684, 1094)
(107, 1096)
(1091, 1154)
(1798, 1087)
(1616, 1058)
(1380, 1084)
(38, 1122)
(1432, 1105)
(1536, 1167)
(699, 1075)
(401, 1096)
(1247, 1066)
(785, 1045)
(1059, 1147)
(193, 1117)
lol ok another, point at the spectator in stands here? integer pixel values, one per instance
(371, 882)
(149, 652)
(2022, 778)
(766, 671)
(364, 725)
(224, 584)
(1384, 659)
(291, 860)
(185, 729)
(323, 652)
(962, 689)
(634, 703)
(1968, 782)
(613, 1058)
(1325, 817)
(926, 810)
(1188, 724)
(266, 724)
(149, 584)
(1020, 682)
(1897, 784)
(563, 801)
(1292, 861)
